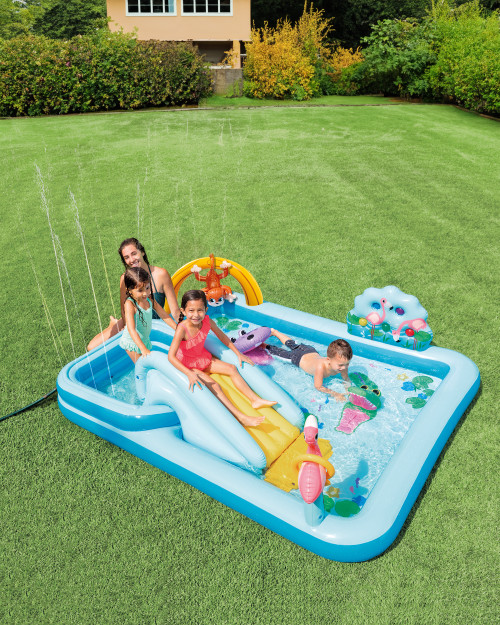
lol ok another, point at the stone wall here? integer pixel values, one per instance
(227, 80)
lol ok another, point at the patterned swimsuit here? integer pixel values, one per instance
(192, 353)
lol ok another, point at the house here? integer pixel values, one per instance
(214, 26)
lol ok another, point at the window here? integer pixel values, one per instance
(150, 7)
(207, 7)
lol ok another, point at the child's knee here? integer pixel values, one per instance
(233, 370)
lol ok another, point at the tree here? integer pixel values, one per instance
(273, 10)
(17, 17)
(353, 19)
(356, 17)
(63, 19)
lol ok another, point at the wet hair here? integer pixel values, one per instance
(192, 296)
(133, 277)
(137, 245)
(339, 348)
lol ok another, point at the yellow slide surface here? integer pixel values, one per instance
(251, 289)
(279, 440)
(274, 434)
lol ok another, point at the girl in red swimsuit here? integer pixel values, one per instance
(188, 354)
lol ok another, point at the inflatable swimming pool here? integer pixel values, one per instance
(192, 437)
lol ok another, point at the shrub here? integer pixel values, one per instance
(289, 61)
(467, 68)
(343, 72)
(170, 73)
(99, 71)
(397, 57)
(452, 55)
(276, 66)
(31, 69)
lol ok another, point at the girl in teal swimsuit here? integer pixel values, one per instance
(139, 313)
(133, 254)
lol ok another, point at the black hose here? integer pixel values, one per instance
(29, 405)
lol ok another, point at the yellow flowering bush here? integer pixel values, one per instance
(338, 78)
(342, 58)
(282, 62)
(276, 66)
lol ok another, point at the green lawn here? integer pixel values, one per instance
(319, 204)
(218, 101)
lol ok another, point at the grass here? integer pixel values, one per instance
(223, 101)
(319, 204)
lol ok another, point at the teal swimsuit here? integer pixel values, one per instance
(143, 327)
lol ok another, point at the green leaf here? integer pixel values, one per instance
(416, 402)
(422, 336)
(233, 325)
(422, 381)
(353, 319)
(221, 322)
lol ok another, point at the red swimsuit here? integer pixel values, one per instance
(192, 353)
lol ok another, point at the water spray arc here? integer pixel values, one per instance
(45, 206)
(82, 239)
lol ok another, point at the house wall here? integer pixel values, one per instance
(235, 27)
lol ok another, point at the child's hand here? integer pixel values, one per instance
(242, 358)
(193, 380)
(145, 352)
(339, 396)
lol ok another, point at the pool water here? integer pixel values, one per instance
(359, 458)
(123, 388)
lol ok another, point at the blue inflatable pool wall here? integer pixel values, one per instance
(192, 437)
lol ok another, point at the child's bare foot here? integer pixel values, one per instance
(252, 421)
(262, 403)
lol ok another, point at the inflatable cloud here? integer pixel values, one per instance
(390, 316)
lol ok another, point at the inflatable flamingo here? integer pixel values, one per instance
(312, 475)
(374, 318)
(414, 324)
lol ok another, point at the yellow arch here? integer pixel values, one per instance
(251, 289)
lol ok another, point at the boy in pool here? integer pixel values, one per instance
(338, 357)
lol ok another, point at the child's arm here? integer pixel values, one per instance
(172, 357)
(345, 375)
(130, 323)
(163, 315)
(227, 342)
(318, 384)
(123, 297)
(168, 289)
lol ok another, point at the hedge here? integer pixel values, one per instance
(451, 56)
(101, 71)
(467, 69)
